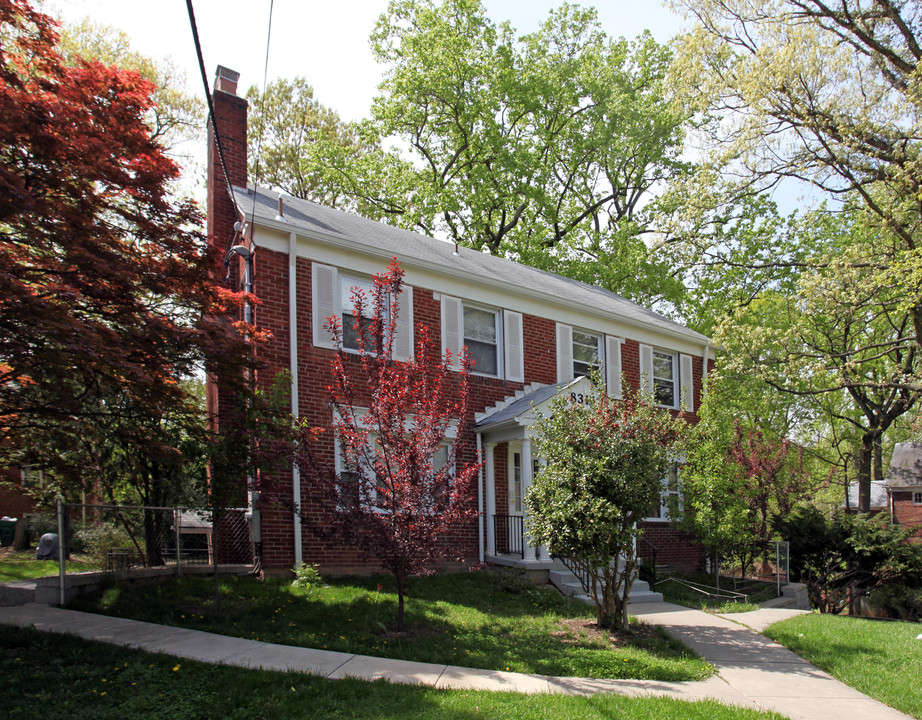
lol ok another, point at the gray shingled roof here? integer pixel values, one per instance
(878, 495)
(405, 245)
(905, 466)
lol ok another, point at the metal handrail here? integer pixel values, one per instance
(703, 590)
(652, 567)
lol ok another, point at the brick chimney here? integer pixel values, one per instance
(231, 118)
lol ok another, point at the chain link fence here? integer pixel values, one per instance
(126, 537)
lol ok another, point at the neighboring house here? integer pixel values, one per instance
(904, 486)
(16, 500)
(879, 498)
(532, 333)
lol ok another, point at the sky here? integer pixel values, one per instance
(325, 41)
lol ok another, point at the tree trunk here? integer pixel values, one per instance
(865, 462)
(401, 589)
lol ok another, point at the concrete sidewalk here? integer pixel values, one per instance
(754, 671)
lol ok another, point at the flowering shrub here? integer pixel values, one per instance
(605, 461)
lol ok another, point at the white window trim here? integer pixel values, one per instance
(665, 493)
(451, 435)
(452, 329)
(334, 282)
(646, 353)
(917, 497)
(599, 349)
(31, 477)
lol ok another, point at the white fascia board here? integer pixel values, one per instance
(344, 253)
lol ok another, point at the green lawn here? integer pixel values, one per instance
(881, 659)
(60, 677)
(22, 565)
(477, 620)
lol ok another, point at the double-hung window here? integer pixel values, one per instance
(667, 376)
(331, 294)
(494, 338)
(666, 504)
(33, 478)
(481, 333)
(917, 498)
(579, 352)
(348, 287)
(587, 353)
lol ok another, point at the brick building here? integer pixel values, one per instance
(904, 487)
(530, 332)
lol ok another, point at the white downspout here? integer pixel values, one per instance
(293, 367)
(480, 496)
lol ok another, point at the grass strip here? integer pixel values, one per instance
(879, 658)
(49, 676)
(477, 620)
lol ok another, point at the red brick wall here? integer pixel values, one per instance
(14, 502)
(907, 513)
(675, 548)
(314, 375)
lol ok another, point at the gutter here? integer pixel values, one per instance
(293, 368)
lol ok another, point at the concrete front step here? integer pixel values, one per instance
(569, 585)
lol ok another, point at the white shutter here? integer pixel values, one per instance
(613, 366)
(452, 329)
(402, 347)
(513, 339)
(688, 387)
(564, 353)
(646, 369)
(324, 302)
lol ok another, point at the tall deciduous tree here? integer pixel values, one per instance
(542, 148)
(404, 484)
(175, 116)
(845, 328)
(106, 299)
(824, 92)
(605, 464)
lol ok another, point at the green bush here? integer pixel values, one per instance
(307, 576)
(97, 540)
(898, 600)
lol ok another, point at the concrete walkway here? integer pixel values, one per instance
(754, 671)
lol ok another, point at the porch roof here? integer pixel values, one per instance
(518, 406)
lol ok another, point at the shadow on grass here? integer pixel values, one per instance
(469, 620)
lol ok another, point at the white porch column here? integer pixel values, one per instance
(527, 472)
(490, 492)
(543, 552)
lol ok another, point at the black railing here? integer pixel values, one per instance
(647, 553)
(509, 531)
(585, 579)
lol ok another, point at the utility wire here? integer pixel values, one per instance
(211, 113)
(262, 115)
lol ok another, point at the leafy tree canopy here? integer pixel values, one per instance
(106, 302)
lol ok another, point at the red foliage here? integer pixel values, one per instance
(394, 500)
(770, 479)
(104, 280)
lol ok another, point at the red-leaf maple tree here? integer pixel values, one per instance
(106, 298)
(403, 487)
(769, 479)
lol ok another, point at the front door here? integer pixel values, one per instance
(516, 508)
